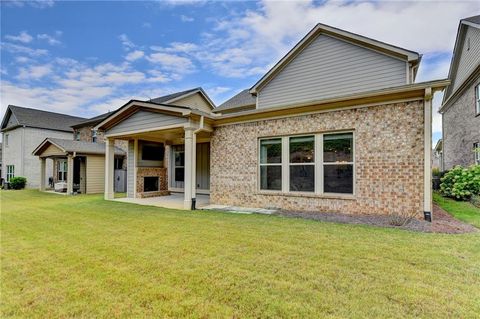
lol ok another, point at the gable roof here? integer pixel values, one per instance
(462, 29)
(92, 121)
(71, 146)
(407, 55)
(242, 99)
(171, 98)
(39, 119)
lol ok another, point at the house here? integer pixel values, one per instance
(337, 125)
(437, 154)
(461, 102)
(22, 130)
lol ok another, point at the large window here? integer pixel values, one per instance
(179, 157)
(477, 99)
(10, 172)
(320, 163)
(271, 164)
(302, 164)
(61, 170)
(338, 163)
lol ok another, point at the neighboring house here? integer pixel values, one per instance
(22, 130)
(1, 176)
(437, 156)
(337, 125)
(461, 103)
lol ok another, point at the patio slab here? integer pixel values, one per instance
(173, 201)
(239, 209)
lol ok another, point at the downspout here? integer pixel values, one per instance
(194, 158)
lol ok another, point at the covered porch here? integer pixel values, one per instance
(168, 155)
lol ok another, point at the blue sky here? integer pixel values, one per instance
(85, 58)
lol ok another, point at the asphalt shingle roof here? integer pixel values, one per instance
(165, 98)
(474, 19)
(82, 147)
(44, 119)
(244, 98)
(93, 121)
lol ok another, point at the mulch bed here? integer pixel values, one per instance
(442, 221)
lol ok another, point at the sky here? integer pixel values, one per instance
(88, 57)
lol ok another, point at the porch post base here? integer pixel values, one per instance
(187, 205)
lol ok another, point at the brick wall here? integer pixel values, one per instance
(461, 128)
(388, 160)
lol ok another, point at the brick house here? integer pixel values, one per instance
(461, 103)
(337, 125)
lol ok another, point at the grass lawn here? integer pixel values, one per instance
(461, 210)
(81, 256)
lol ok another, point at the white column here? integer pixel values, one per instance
(427, 194)
(194, 165)
(109, 167)
(43, 167)
(188, 168)
(70, 175)
(135, 165)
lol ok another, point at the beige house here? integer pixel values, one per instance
(337, 125)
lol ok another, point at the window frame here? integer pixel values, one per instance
(318, 165)
(62, 168)
(94, 136)
(10, 172)
(477, 99)
(260, 164)
(476, 154)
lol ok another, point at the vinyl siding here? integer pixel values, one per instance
(329, 67)
(130, 169)
(52, 150)
(468, 59)
(95, 174)
(195, 101)
(144, 120)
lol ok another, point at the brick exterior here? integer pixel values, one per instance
(388, 160)
(161, 172)
(461, 128)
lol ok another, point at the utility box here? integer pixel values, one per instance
(120, 185)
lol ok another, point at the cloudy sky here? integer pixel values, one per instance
(85, 58)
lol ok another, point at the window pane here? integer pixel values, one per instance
(271, 177)
(338, 147)
(302, 178)
(338, 179)
(271, 151)
(179, 174)
(302, 149)
(179, 159)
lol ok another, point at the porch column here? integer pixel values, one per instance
(189, 167)
(427, 177)
(109, 167)
(70, 175)
(135, 167)
(194, 165)
(43, 166)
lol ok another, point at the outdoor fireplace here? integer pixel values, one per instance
(150, 184)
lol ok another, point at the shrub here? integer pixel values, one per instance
(18, 182)
(461, 183)
(436, 171)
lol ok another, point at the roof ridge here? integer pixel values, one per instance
(44, 111)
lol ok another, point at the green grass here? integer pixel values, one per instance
(80, 256)
(462, 210)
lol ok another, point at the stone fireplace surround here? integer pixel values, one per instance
(161, 173)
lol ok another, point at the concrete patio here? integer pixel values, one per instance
(173, 201)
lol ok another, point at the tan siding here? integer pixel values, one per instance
(145, 120)
(52, 150)
(95, 174)
(194, 101)
(330, 67)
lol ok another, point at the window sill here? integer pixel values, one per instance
(308, 195)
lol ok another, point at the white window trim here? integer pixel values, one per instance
(10, 172)
(476, 153)
(318, 154)
(62, 168)
(477, 99)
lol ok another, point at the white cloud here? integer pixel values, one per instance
(35, 72)
(134, 55)
(22, 59)
(49, 39)
(127, 44)
(185, 18)
(171, 62)
(16, 48)
(40, 4)
(23, 37)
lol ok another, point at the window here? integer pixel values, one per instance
(118, 163)
(320, 163)
(271, 164)
(6, 139)
(476, 150)
(338, 163)
(76, 136)
(477, 99)
(10, 172)
(94, 136)
(302, 164)
(61, 170)
(179, 155)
